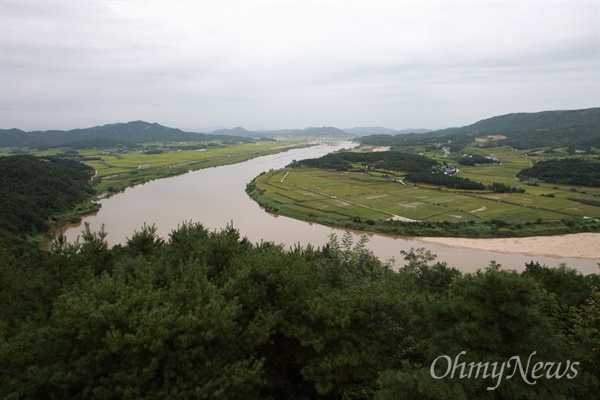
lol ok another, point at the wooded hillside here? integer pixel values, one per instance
(569, 128)
(568, 171)
(34, 188)
(134, 132)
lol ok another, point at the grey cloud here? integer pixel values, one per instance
(274, 65)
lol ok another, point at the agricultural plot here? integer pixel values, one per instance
(118, 168)
(112, 163)
(334, 198)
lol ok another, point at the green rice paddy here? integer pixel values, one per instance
(368, 201)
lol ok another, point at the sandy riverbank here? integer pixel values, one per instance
(579, 245)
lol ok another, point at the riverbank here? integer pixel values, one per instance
(141, 168)
(108, 185)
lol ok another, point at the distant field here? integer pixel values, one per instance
(117, 169)
(345, 198)
(113, 163)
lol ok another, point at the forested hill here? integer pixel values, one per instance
(394, 161)
(134, 132)
(32, 189)
(575, 128)
(568, 171)
(237, 131)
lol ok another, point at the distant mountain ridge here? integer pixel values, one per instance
(563, 128)
(580, 128)
(325, 131)
(378, 130)
(237, 131)
(135, 132)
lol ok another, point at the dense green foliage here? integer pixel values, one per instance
(390, 160)
(568, 171)
(208, 315)
(502, 188)
(492, 228)
(475, 159)
(33, 189)
(453, 182)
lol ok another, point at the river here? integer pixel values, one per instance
(215, 197)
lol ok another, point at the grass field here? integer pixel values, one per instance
(366, 200)
(117, 169)
(112, 163)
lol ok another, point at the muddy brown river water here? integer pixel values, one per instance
(215, 197)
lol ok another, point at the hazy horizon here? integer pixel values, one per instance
(290, 65)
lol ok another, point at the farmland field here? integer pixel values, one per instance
(369, 200)
(117, 169)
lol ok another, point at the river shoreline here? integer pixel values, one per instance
(201, 197)
(577, 245)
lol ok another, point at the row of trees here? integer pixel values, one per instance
(451, 181)
(207, 314)
(476, 159)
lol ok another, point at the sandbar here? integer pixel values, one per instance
(577, 245)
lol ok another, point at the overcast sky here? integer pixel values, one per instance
(269, 65)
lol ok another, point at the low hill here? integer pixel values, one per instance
(567, 171)
(377, 130)
(567, 128)
(325, 131)
(238, 131)
(135, 132)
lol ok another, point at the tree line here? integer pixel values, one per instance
(389, 160)
(450, 181)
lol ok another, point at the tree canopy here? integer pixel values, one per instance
(34, 188)
(207, 314)
(390, 160)
(568, 171)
